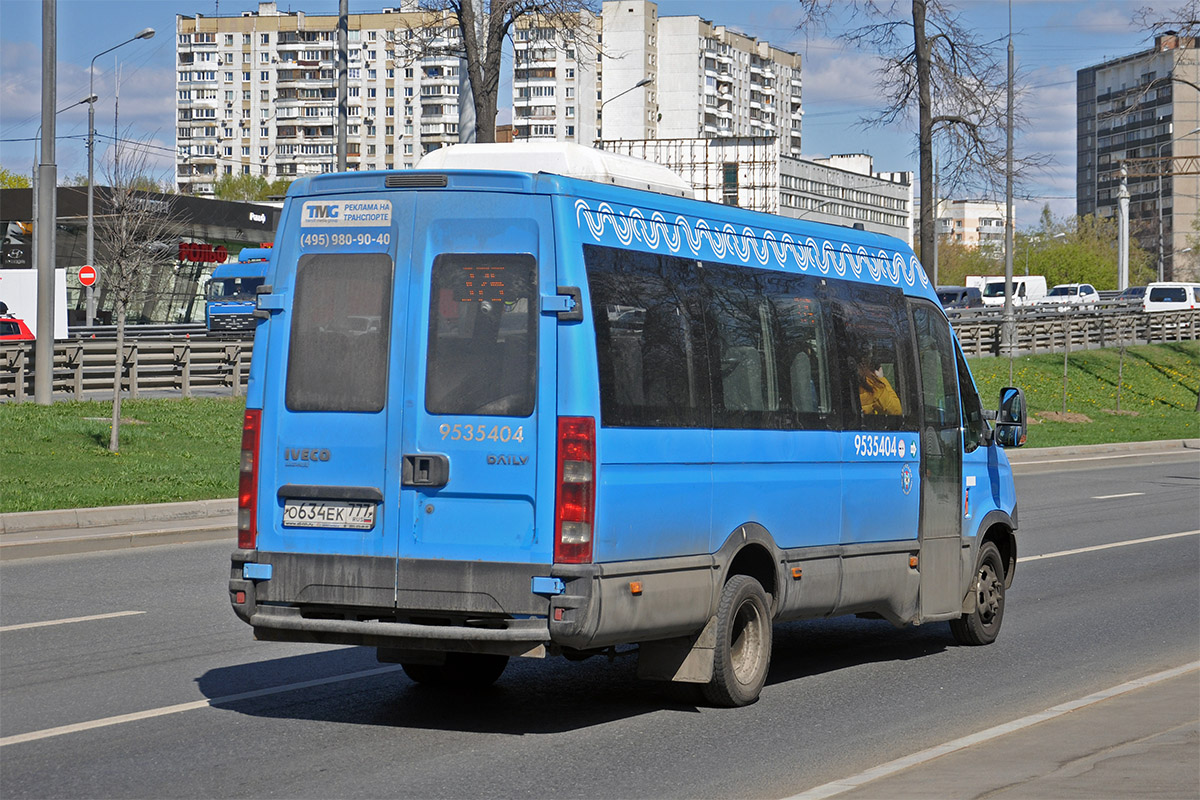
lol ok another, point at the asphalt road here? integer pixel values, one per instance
(842, 695)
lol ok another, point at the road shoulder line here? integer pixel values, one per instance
(883, 770)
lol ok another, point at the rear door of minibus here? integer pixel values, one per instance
(338, 326)
(479, 388)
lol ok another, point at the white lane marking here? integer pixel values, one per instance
(1109, 546)
(49, 622)
(1115, 496)
(892, 767)
(33, 736)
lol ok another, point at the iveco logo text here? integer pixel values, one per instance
(305, 454)
(511, 461)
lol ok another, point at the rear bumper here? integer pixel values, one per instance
(468, 606)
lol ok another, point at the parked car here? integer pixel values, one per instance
(1131, 297)
(1171, 296)
(1026, 289)
(959, 297)
(1066, 296)
(14, 330)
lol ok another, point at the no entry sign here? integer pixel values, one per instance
(87, 275)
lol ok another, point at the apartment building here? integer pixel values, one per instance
(751, 172)
(646, 77)
(1142, 111)
(974, 223)
(257, 93)
(556, 79)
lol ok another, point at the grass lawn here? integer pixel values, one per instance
(1158, 393)
(171, 449)
(57, 456)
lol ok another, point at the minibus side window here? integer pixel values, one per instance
(974, 426)
(939, 386)
(653, 369)
(341, 317)
(871, 327)
(767, 350)
(482, 357)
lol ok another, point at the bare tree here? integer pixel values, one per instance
(934, 64)
(136, 234)
(1183, 19)
(479, 30)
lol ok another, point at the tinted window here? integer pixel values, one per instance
(768, 350)
(335, 363)
(938, 388)
(974, 427)
(871, 326)
(1168, 294)
(649, 341)
(482, 355)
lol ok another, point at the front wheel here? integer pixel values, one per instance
(982, 625)
(743, 651)
(461, 671)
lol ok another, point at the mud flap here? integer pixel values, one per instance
(684, 659)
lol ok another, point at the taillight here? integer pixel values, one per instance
(248, 481)
(575, 508)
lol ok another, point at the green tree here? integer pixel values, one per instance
(1079, 250)
(249, 188)
(13, 180)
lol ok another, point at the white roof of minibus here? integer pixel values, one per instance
(560, 158)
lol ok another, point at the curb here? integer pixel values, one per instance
(86, 518)
(1164, 446)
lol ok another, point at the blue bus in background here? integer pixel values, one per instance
(496, 410)
(231, 291)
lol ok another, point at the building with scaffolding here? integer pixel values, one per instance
(752, 173)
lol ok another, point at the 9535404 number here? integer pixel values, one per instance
(482, 433)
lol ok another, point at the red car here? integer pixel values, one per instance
(14, 330)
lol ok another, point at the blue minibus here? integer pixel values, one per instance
(230, 293)
(495, 411)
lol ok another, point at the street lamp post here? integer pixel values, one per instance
(37, 155)
(1160, 198)
(643, 82)
(146, 33)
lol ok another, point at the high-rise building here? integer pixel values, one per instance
(257, 93)
(1142, 111)
(634, 75)
(556, 79)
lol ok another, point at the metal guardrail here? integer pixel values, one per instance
(85, 366)
(1054, 332)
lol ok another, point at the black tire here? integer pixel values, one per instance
(743, 653)
(982, 625)
(461, 671)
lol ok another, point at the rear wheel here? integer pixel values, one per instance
(743, 652)
(461, 670)
(982, 625)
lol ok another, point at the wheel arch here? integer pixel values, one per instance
(998, 528)
(751, 550)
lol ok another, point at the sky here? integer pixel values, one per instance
(1051, 40)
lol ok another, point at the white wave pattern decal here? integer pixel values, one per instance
(748, 246)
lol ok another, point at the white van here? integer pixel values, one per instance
(1171, 296)
(1027, 290)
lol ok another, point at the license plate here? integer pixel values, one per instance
(328, 514)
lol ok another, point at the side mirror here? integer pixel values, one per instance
(1011, 425)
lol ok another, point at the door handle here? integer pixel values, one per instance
(425, 469)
